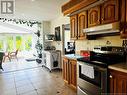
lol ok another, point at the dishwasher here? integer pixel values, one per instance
(51, 59)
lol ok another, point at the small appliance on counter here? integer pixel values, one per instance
(70, 49)
(49, 37)
(92, 69)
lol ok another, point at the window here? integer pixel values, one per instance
(10, 42)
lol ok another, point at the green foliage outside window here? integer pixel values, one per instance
(19, 43)
(28, 43)
(9, 43)
(1, 45)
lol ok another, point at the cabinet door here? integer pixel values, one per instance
(124, 19)
(110, 11)
(122, 84)
(82, 24)
(74, 27)
(118, 82)
(94, 16)
(113, 83)
(65, 71)
(72, 70)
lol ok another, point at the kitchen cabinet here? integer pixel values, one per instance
(74, 27)
(69, 72)
(123, 19)
(65, 70)
(72, 73)
(94, 16)
(105, 13)
(78, 23)
(75, 5)
(117, 82)
(82, 24)
(110, 11)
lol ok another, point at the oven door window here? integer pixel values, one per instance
(94, 78)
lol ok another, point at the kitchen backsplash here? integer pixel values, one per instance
(89, 44)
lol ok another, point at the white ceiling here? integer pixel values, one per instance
(41, 10)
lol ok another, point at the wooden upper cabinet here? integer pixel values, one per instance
(110, 11)
(123, 20)
(73, 24)
(82, 24)
(94, 16)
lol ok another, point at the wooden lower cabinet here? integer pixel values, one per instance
(65, 71)
(72, 73)
(117, 82)
(69, 72)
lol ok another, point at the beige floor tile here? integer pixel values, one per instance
(30, 93)
(34, 81)
(22, 83)
(21, 78)
(25, 89)
(8, 92)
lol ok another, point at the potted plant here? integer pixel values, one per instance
(39, 48)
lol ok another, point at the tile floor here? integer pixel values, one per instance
(19, 64)
(34, 81)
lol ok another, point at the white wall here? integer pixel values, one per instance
(55, 23)
(67, 37)
(46, 28)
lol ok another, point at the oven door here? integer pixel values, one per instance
(92, 79)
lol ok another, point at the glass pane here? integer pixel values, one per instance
(19, 43)
(10, 43)
(28, 43)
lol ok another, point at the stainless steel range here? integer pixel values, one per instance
(92, 70)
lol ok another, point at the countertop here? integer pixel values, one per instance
(119, 67)
(72, 56)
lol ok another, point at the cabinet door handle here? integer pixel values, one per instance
(110, 76)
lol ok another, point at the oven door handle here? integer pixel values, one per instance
(82, 91)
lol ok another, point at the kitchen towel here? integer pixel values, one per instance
(88, 71)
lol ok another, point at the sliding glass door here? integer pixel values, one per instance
(9, 42)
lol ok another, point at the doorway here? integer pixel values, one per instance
(68, 43)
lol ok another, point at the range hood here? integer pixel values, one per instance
(105, 29)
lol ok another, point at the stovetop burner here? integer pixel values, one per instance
(103, 60)
(104, 55)
(90, 60)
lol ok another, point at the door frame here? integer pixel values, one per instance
(64, 27)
